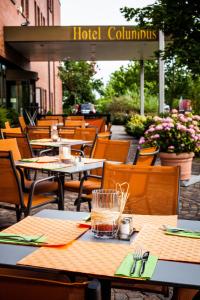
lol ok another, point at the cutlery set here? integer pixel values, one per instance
(21, 238)
(139, 256)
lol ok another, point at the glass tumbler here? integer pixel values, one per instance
(105, 213)
(65, 153)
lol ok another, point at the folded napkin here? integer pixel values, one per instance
(41, 140)
(88, 218)
(47, 159)
(181, 232)
(85, 222)
(21, 239)
(56, 166)
(126, 265)
(33, 159)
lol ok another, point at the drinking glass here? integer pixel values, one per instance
(105, 213)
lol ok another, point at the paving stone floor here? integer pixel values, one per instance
(189, 209)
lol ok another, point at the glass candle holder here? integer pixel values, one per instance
(54, 133)
(105, 213)
(65, 153)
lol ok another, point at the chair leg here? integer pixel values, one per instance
(89, 205)
(18, 213)
(184, 294)
(77, 203)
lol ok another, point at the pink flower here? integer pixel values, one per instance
(159, 127)
(141, 141)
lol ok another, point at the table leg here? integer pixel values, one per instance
(105, 289)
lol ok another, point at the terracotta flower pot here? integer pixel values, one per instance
(184, 160)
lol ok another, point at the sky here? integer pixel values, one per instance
(99, 12)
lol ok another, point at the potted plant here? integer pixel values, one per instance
(178, 137)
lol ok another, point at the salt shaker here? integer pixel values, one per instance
(125, 228)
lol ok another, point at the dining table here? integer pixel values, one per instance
(78, 165)
(73, 252)
(57, 144)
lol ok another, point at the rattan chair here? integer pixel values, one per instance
(35, 132)
(153, 190)
(22, 142)
(146, 156)
(22, 123)
(74, 123)
(11, 144)
(113, 150)
(11, 189)
(32, 285)
(80, 118)
(99, 123)
(86, 134)
(10, 130)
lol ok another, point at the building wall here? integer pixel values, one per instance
(11, 15)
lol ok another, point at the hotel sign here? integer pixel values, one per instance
(110, 33)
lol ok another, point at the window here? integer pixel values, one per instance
(2, 84)
(27, 9)
(38, 16)
(35, 10)
(43, 21)
(24, 9)
(50, 5)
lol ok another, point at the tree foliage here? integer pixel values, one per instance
(124, 84)
(78, 82)
(126, 80)
(178, 19)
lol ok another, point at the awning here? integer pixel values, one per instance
(17, 74)
(57, 43)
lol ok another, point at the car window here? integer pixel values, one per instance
(86, 106)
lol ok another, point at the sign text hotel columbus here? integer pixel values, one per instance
(110, 33)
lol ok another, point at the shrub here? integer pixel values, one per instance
(3, 116)
(137, 125)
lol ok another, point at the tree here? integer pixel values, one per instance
(78, 82)
(126, 79)
(178, 19)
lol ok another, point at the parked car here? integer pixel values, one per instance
(88, 108)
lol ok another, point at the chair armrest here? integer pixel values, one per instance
(84, 146)
(79, 151)
(149, 153)
(85, 177)
(45, 151)
(35, 183)
(92, 176)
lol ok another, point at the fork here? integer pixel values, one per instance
(137, 255)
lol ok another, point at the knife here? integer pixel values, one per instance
(145, 257)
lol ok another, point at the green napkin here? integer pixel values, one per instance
(181, 231)
(54, 166)
(125, 267)
(22, 239)
(184, 233)
(34, 159)
(88, 218)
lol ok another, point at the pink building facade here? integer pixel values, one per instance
(25, 84)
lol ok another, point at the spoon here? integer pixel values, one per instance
(145, 257)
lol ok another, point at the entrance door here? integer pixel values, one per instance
(20, 94)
